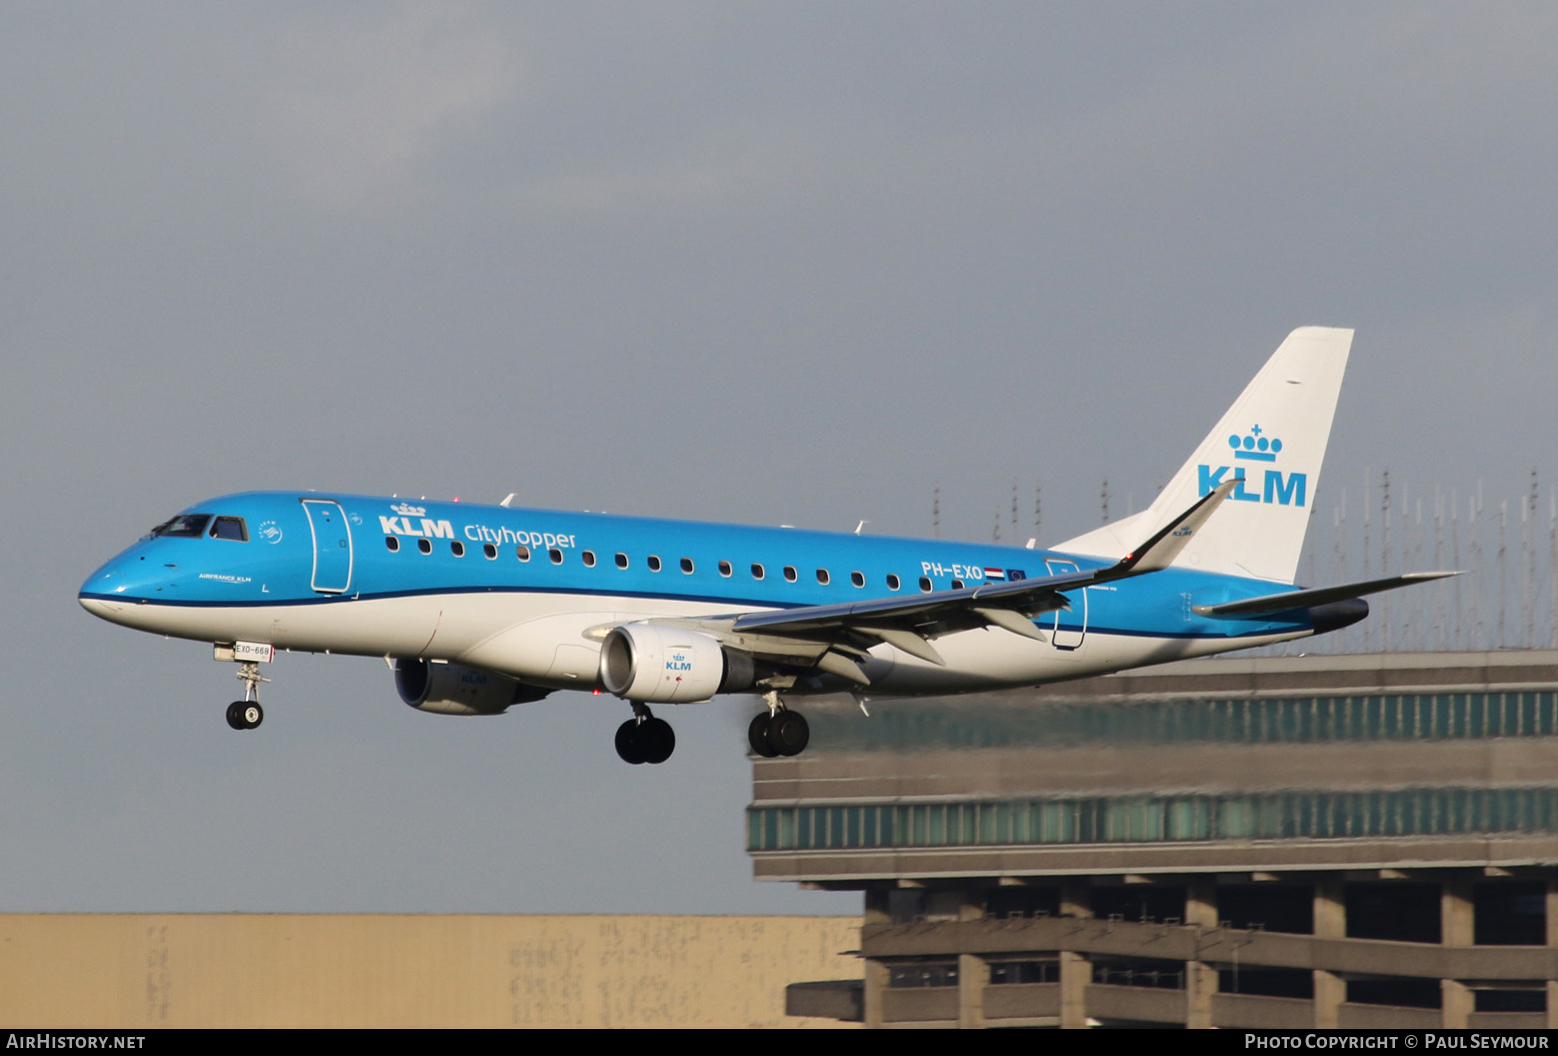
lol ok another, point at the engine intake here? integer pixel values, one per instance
(449, 689)
(653, 663)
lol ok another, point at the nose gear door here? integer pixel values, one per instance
(332, 546)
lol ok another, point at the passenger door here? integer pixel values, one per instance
(1067, 629)
(332, 546)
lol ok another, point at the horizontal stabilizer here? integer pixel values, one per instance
(1304, 599)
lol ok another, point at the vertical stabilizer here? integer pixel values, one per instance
(1274, 437)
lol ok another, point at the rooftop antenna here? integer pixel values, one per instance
(1479, 632)
(1528, 546)
(995, 533)
(1455, 562)
(1384, 551)
(1103, 497)
(1552, 570)
(1038, 510)
(1503, 552)
(1439, 587)
(1368, 493)
(935, 510)
(1014, 509)
(1339, 545)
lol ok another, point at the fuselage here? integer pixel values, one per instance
(530, 594)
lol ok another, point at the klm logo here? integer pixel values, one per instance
(1290, 489)
(678, 662)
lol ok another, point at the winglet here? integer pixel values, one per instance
(1159, 552)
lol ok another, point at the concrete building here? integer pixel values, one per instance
(132, 970)
(1356, 841)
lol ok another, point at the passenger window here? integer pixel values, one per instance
(925, 584)
(622, 560)
(391, 543)
(425, 545)
(789, 573)
(522, 552)
(822, 576)
(687, 565)
(757, 571)
(457, 548)
(724, 569)
(957, 584)
(588, 557)
(653, 563)
(556, 555)
(857, 579)
(490, 550)
(893, 582)
(230, 528)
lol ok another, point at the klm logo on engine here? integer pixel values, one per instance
(678, 662)
(1284, 489)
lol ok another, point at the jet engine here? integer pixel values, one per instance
(656, 663)
(449, 689)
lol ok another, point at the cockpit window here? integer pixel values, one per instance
(230, 528)
(185, 524)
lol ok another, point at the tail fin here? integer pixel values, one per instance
(1274, 437)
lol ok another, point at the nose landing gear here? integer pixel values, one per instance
(779, 731)
(246, 714)
(644, 738)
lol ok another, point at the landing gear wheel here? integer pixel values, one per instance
(252, 715)
(630, 746)
(788, 733)
(658, 739)
(757, 735)
(235, 715)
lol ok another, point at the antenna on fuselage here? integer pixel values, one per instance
(508, 500)
(861, 525)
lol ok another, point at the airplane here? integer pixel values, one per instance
(477, 608)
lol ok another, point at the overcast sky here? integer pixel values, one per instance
(766, 263)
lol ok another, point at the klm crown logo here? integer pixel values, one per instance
(1291, 489)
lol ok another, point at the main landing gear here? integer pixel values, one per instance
(246, 714)
(778, 731)
(644, 738)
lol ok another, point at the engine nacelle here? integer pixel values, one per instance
(653, 663)
(449, 689)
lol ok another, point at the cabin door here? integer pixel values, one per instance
(1067, 629)
(332, 546)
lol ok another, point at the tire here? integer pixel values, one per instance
(757, 736)
(658, 739)
(789, 733)
(252, 714)
(630, 744)
(235, 715)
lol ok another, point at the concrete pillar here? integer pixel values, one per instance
(973, 977)
(1075, 900)
(1552, 940)
(1330, 909)
(1200, 985)
(1455, 913)
(1455, 1002)
(878, 906)
(1552, 1004)
(1201, 902)
(876, 988)
(1075, 973)
(1330, 992)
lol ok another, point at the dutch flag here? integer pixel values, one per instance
(995, 573)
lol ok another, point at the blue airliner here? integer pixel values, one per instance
(477, 608)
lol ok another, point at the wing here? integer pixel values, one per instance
(834, 638)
